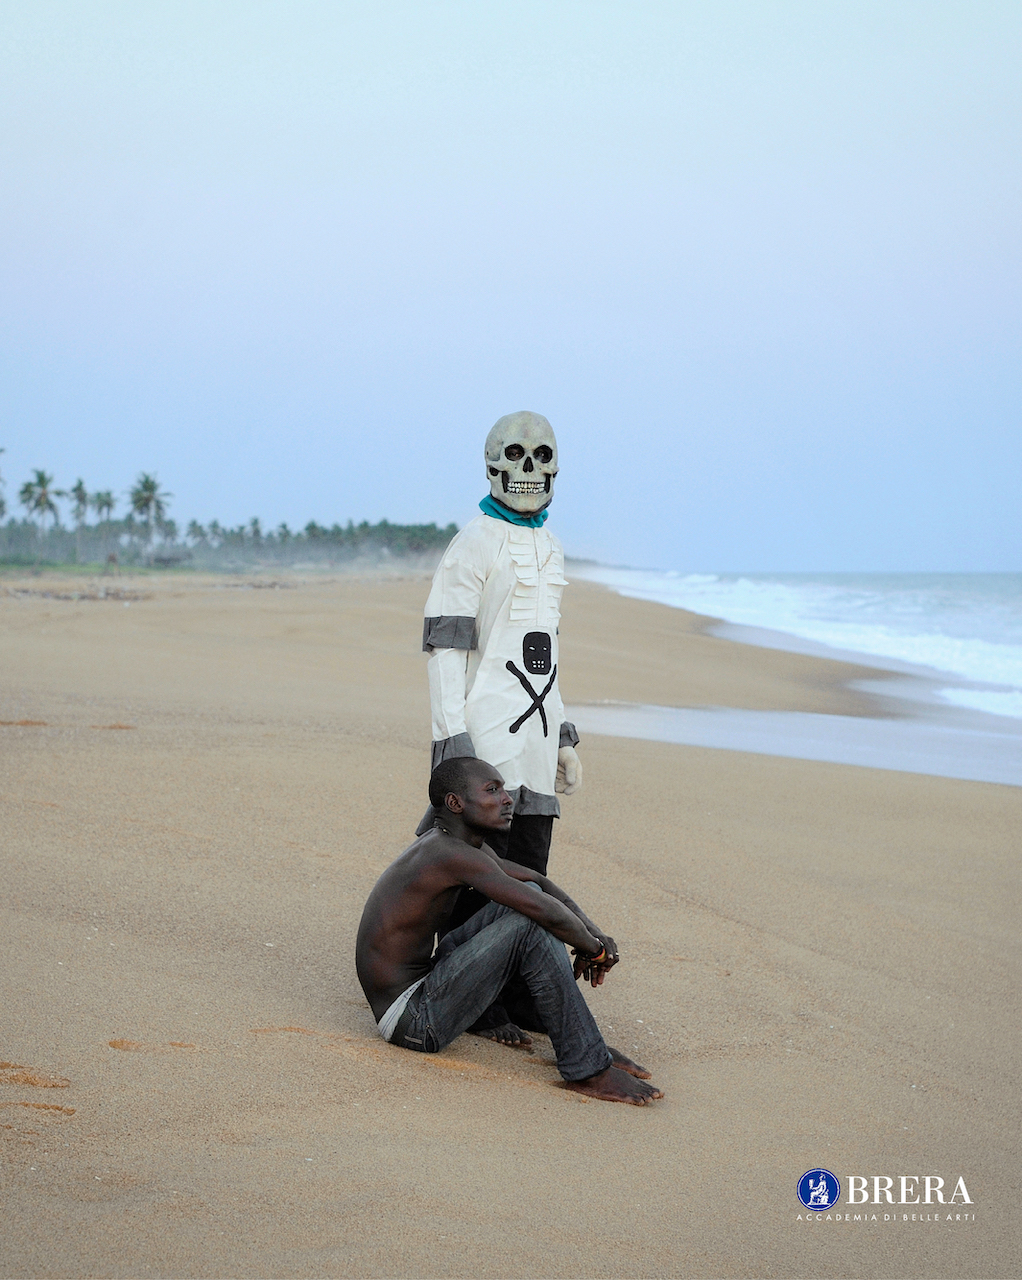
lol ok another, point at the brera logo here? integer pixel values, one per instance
(818, 1190)
(914, 1189)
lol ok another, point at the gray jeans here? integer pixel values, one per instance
(472, 966)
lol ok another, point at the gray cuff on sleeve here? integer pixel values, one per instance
(459, 745)
(569, 735)
(450, 632)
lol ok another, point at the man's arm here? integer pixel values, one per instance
(594, 973)
(552, 890)
(490, 876)
(449, 634)
(447, 671)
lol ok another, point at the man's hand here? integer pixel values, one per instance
(594, 967)
(569, 771)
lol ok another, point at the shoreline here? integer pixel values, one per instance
(883, 713)
(899, 745)
(904, 725)
(916, 693)
(943, 684)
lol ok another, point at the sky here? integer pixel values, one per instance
(758, 263)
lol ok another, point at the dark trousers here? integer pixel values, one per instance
(475, 962)
(528, 841)
(528, 844)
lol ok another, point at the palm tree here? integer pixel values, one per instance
(3, 505)
(37, 495)
(168, 529)
(148, 502)
(195, 532)
(103, 504)
(79, 510)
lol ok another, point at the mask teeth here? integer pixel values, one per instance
(525, 486)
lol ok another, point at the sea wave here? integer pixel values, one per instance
(965, 625)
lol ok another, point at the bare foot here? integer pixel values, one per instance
(615, 1085)
(507, 1033)
(626, 1064)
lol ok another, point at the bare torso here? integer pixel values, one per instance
(410, 904)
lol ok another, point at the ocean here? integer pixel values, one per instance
(955, 638)
(966, 627)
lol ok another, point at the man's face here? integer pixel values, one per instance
(486, 805)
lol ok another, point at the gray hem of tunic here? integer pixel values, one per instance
(534, 802)
(450, 748)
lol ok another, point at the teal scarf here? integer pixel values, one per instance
(491, 507)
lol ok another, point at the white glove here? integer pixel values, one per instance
(569, 771)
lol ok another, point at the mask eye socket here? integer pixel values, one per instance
(543, 454)
(513, 452)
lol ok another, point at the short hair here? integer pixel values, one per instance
(450, 775)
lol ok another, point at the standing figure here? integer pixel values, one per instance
(491, 633)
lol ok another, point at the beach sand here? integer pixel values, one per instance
(201, 783)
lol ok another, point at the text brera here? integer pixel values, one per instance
(914, 1190)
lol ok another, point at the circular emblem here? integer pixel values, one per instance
(818, 1190)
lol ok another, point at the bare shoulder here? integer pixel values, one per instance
(456, 855)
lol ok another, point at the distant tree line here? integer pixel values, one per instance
(145, 535)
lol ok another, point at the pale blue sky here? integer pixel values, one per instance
(757, 262)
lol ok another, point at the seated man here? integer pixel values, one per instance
(423, 1001)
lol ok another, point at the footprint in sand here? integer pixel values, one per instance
(40, 1106)
(14, 1073)
(135, 1046)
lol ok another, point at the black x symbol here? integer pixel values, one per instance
(537, 698)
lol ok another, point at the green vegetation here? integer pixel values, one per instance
(146, 537)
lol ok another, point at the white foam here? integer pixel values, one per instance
(962, 625)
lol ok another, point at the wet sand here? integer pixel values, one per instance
(200, 785)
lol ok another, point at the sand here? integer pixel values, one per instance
(820, 963)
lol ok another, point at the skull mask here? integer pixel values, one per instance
(521, 462)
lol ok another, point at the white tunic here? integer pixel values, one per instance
(499, 585)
